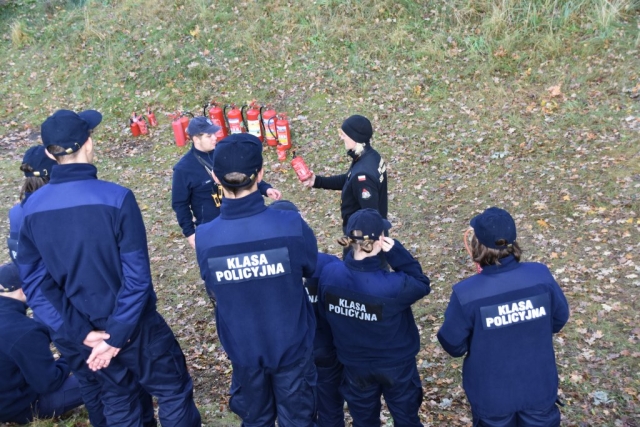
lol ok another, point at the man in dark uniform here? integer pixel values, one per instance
(194, 193)
(504, 319)
(365, 183)
(84, 263)
(33, 383)
(252, 260)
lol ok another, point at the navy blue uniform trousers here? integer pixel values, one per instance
(290, 386)
(400, 385)
(329, 400)
(151, 363)
(529, 418)
(53, 404)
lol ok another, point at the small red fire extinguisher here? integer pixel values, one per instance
(142, 124)
(283, 130)
(234, 119)
(269, 126)
(152, 118)
(216, 114)
(254, 124)
(133, 125)
(301, 168)
(178, 130)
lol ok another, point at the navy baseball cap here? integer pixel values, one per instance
(369, 222)
(39, 162)
(9, 278)
(241, 153)
(200, 125)
(494, 228)
(68, 129)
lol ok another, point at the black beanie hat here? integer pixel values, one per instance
(358, 128)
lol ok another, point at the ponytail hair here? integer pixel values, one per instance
(364, 245)
(487, 256)
(31, 183)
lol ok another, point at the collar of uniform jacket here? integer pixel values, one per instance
(367, 264)
(506, 264)
(73, 172)
(246, 206)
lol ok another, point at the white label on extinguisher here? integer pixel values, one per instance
(234, 126)
(282, 135)
(254, 127)
(270, 128)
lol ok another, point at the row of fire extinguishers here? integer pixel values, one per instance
(259, 120)
(265, 125)
(139, 125)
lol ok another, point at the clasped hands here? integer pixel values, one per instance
(102, 352)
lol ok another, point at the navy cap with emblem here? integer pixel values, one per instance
(9, 278)
(369, 222)
(40, 163)
(200, 125)
(494, 228)
(68, 129)
(241, 153)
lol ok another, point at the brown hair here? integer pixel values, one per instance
(487, 256)
(59, 153)
(31, 183)
(364, 245)
(238, 178)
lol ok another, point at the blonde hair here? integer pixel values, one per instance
(364, 245)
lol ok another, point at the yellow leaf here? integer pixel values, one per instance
(195, 32)
(554, 255)
(566, 197)
(542, 223)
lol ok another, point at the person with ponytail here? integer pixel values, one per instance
(36, 166)
(369, 312)
(502, 321)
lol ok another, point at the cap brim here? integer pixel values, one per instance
(212, 129)
(92, 117)
(387, 224)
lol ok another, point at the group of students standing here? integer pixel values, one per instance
(304, 331)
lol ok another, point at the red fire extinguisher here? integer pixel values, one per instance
(301, 168)
(142, 124)
(269, 126)
(234, 119)
(254, 125)
(216, 114)
(283, 130)
(184, 120)
(133, 125)
(151, 117)
(178, 130)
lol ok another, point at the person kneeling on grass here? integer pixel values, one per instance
(369, 312)
(504, 319)
(33, 383)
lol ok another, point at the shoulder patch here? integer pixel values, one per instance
(362, 177)
(365, 193)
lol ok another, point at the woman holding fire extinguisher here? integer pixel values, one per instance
(365, 183)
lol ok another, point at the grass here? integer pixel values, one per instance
(460, 96)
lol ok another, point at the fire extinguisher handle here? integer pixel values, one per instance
(189, 113)
(224, 115)
(204, 109)
(243, 115)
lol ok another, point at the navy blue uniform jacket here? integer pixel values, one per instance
(504, 319)
(15, 220)
(363, 186)
(192, 189)
(83, 256)
(27, 367)
(252, 260)
(369, 309)
(324, 338)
